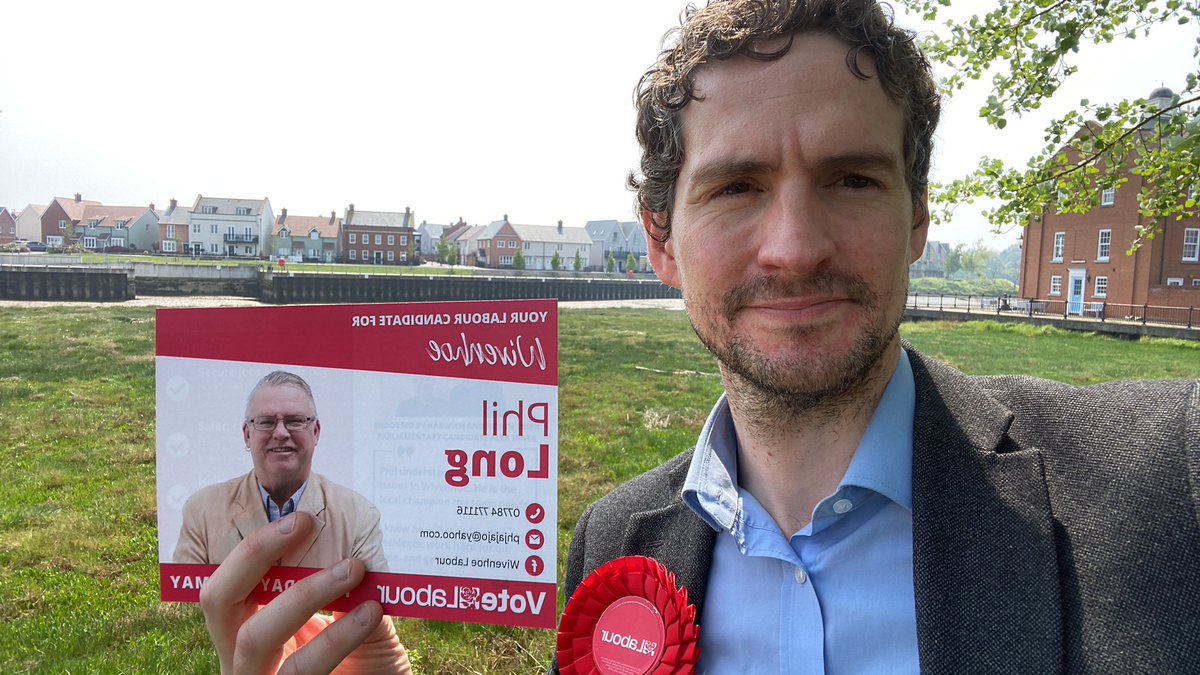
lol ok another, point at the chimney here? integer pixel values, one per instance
(173, 203)
(78, 197)
(560, 227)
(350, 214)
(151, 206)
(332, 217)
(283, 214)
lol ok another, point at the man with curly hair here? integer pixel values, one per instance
(851, 505)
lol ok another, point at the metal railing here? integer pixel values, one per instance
(1187, 317)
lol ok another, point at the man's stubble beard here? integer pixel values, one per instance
(814, 385)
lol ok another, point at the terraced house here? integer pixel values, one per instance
(306, 238)
(238, 228)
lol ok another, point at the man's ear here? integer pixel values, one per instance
(920, 228)
(660, 248)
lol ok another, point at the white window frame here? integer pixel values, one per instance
(353, 253)
(1191, 244)
(1056, 284)
(214, 248)
(352, 237)
(168, 246)
(62, 224)
(1100, 287)
(379, 240)
(391, 256)
(1175, 281)
(117, 241)
(214, 229)
(284, 233)
(54, 240)
(1060, 245)
(208, 210)
(120, 224)
(506, 260)
(89, 242)
(391, 240)
(170, 231)
(404, 240)
(314, 235)
(1108, 196)
(403, 256)
(1103, 245)
(243, 211)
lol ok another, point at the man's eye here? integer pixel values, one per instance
(857, 182)
(733, 189)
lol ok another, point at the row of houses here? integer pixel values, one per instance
(249, 228)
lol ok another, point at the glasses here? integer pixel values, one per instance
(292, 423)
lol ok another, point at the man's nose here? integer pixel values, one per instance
(795, 234)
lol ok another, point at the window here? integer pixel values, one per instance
(243, 211)
(403, 256)
(352, 238)
(314, 235)
(93, 223)
(1100, 288)
(1103, 245)
(1108, 196)
(506, 260)
(170, 232)
(117, 241)
(196, 228)
(526, 246)
(208, 209)
(379, 240)
(1196, 282)
(89, 242)
(1191, 244)
(283, 233)
(214, 248)
(249, 233)
(168, 246)
(54, 240)
(120, 224)
(1060, 243)
(404, 240)
(391, 240)
(353, 253)
(62, 224)
(213, 229)
(1175, 281)
(364, 254)
(391, 256)
(230, 231)
(1056, 285)
(560, 247)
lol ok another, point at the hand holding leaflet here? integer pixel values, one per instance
(281, 636)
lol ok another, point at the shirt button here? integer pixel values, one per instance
(801, 575)
(842, 505)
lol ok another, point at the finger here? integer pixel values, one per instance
(223, 596)
(328, 649)
(260, 638)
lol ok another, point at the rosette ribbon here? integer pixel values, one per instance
(628, 618)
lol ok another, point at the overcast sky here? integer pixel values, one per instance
(471, 109)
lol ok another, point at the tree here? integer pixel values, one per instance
(443, 251)
(611, 265)
(630, 262)
(555, 262)
(1026, 45)
(577, 264)
(519, 260)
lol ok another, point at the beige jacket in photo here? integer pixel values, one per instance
(218, 517)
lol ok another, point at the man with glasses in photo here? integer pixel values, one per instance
(281, 430)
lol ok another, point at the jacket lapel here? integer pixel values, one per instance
(676, 537)
(312, 501)
(985, 569)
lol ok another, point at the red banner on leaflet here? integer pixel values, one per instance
(508, 341)
(466, 599)
(423, 437)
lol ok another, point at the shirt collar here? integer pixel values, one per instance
(273, 510)
(882, 462)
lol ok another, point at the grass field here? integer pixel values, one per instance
(78, 547)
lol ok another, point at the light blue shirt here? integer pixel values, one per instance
(838, 596)
(274, 513)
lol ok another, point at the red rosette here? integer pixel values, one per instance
(628, 618)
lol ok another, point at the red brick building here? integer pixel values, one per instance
(380, 237)
(1080, 258)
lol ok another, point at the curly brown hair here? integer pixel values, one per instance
(724, 29)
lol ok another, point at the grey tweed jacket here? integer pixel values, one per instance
(1055, 528)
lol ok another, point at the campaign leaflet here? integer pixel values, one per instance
(444, 416)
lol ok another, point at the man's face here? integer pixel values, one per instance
(793, 224)
(282, 458)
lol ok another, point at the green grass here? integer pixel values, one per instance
(78, 548)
